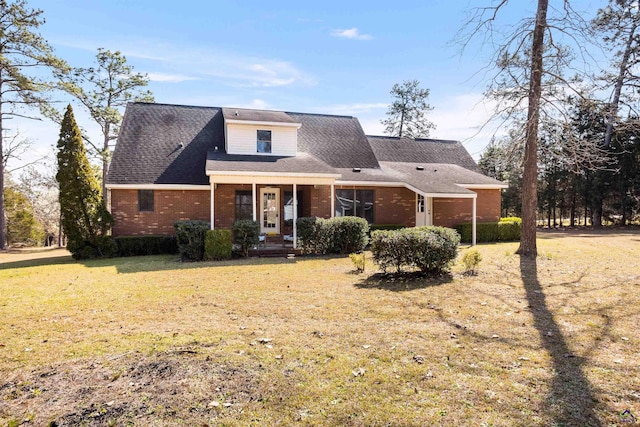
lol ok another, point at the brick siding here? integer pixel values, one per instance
(448, 212)
(169, 206)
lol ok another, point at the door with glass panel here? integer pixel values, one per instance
(270, 210)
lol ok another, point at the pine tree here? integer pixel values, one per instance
(24, 54)
(85, 219)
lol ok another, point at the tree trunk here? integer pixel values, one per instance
(613, 112)
(3, 219)
(105, 163)
(528, 247)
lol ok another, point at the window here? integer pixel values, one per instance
(288, 206)
(145, 200)
(264, 141)
(244, 205)
(420, 203)
(355, 203)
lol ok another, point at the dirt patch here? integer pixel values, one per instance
(130, 389)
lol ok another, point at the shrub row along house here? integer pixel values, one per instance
(221, 165)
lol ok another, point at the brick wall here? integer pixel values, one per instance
(169, 206)
(449, 212)
(392, 205)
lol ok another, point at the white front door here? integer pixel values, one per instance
(424, 206)
(270, 210)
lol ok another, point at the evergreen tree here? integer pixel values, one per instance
(22, 226)
(406, 114)
(85, 219)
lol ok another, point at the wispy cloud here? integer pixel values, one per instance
(351, 33)
(168, 62)
(169, 78)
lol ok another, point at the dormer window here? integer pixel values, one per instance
(264, 141)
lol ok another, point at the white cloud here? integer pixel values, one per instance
(256, 104)
(351, 33)
(169, 78)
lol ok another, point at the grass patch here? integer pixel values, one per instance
(152, 341)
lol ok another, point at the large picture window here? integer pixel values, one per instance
(264, 141)
(244, 205)
(355, 203)
(145, 200)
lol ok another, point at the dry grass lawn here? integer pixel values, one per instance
(152, 342)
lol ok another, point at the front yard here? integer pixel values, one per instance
(151, 341)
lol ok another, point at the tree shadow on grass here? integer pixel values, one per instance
(38, 262)
(571, 400)
(402, 282)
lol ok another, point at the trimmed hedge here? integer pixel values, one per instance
(190, 239)
(246, 234)
(100, 247)
(145, 245)
(218, 244)
(506, 230)
(340, 235)
(431, 249)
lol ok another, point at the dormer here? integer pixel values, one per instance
(259, 132)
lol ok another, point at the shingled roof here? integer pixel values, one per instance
(394, 149)
(339, 141)
(175, 144)
(165, 144)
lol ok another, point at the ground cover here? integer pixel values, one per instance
(152, 341)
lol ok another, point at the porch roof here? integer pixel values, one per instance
(429, 178)
(302, 163)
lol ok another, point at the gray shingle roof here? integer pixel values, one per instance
(394, 149)
(429, 178)
(173, 144)
(256, 115)
(165, 144)
(339, 141)
(302, 163)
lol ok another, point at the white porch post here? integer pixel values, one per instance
(253, 201)
(295, 215)
(333, 200)
(213, 193)
(473, 223)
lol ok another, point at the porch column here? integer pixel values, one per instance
(253, 201)
(333, 200)
(213, 217)
(473, 224)
(295, 214)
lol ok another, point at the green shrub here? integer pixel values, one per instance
(218, 244)
(99, 247)
(341, 235)
(431, 249)
(471, 259)
(309, 232)
(246, 233)
(507, 229)
(190, 239)
(374, 227)
(145, 245)
(346, 234)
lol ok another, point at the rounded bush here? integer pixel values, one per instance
(246, 234)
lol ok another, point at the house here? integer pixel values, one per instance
(174, 162)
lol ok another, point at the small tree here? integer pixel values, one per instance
(406, 114)
(85, 219)
(22, 226)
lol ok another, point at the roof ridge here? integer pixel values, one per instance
(320, 114)
(163, 104)
(414, 139)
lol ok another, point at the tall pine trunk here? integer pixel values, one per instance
(528, 247)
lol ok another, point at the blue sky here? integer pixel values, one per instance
(336, 57)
